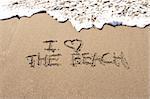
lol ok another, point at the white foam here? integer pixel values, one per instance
(83, 13)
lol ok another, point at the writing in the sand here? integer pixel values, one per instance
(52, 56)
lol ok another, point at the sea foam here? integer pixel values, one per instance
(83, 14)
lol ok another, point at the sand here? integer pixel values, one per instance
(24, 37)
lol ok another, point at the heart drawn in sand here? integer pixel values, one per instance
(74, 44)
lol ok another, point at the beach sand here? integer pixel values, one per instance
(24, 37)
